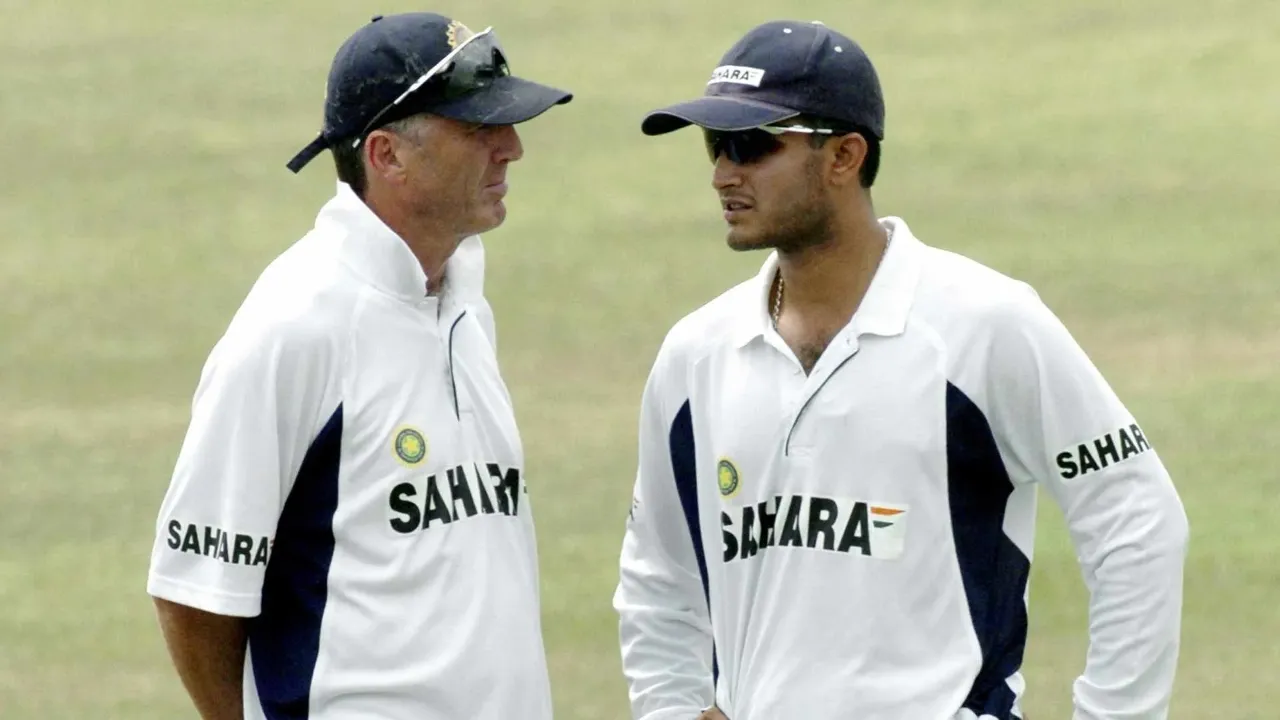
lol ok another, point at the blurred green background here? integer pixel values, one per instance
(1121, 157)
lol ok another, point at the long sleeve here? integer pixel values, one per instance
(664, 623)
(1064, 427)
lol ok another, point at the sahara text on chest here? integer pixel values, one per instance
(461, 492)
(840, 525)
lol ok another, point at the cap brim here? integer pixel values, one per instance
(509, 100)
(715, 112)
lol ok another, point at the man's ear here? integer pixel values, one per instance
(849, 152)
(383, 154)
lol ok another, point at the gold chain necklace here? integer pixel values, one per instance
(777, 302)
(777, 299)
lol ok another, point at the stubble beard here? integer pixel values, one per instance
(801, 224)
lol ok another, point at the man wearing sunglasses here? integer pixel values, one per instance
(347, 532)
(834, 509)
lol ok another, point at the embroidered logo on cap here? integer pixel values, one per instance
(737, 74)
(457, 33)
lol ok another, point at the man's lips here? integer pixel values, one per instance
(735, 207)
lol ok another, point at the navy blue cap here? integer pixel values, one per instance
(780, 70)
(385, 58)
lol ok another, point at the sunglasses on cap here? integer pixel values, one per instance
(473, 65)
(748, 146)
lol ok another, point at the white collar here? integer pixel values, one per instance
(884, 309)
(381, 257)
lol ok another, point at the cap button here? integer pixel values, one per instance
(376, 18)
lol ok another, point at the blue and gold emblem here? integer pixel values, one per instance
(727, 477)
(410, 446)
(457, 33)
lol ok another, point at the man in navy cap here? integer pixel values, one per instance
(834, 510)
(347, 532)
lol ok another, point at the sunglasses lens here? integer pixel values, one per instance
(475, 67)
(743, 147)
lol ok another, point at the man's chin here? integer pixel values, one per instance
(493, 216)
(497, 214)
(745, 242)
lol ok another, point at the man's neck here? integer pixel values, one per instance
(823, 285)
(431, 243)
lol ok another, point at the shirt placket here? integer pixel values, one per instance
(799, 438)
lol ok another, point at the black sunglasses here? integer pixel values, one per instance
(471, 66)
(748, 146)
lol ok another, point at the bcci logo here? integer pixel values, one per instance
(410, 446)
(457, 34)
(727, 478)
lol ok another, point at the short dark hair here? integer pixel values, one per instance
(870, 164)
(349, 163)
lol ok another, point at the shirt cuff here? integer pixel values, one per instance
(218, 602)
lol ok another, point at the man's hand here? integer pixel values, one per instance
(712, 713)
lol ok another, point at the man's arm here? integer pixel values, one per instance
(208, 652)
(1063, 426)
(253, 419)
(665, 625)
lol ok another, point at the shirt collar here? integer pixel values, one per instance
(380, 257)
(884, 309)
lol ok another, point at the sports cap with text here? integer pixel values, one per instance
(402, 65)
(778, 71)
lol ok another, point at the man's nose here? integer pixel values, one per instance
(507, 145)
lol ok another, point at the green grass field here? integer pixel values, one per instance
(1118, 157)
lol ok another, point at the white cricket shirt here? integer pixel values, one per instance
(856, 543)
(353, 480)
